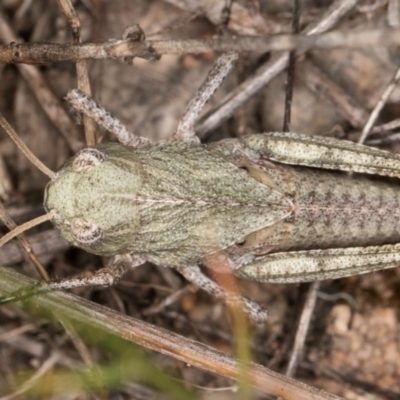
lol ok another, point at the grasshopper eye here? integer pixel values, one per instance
(87, 159)
(85, 232)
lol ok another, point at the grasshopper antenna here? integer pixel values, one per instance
(22, 146)
(24, 227)
(35, 161)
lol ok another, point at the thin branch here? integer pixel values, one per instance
(44, 245)
(378, 108)
(25, 150)
(9, 222)
(388, 126)
(302, 329)
(43, 53)
(326, 88)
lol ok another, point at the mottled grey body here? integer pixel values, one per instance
(335, 210)
(174, 203)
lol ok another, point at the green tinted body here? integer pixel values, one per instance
(172, 202)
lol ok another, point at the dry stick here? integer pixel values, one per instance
(303, 326)
(42, 53)
(16, 331)
(378, 108)
(44, 244)
(291, 67)
(327, 89)
(50, 103)
(25, 150)
(163, 341)
(381, 134)
(393, 138)
(81, 66)
(9, 222)
(268, 71)
(4, 215)
(388, 126)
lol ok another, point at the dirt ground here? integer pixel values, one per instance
(352, 348)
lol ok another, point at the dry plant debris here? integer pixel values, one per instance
(353, 346)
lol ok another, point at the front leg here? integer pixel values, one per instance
(87, 106)
(105, 277)
(312, 265)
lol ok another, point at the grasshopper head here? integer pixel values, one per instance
(94, 195)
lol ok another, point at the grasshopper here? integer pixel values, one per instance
(273, 203)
